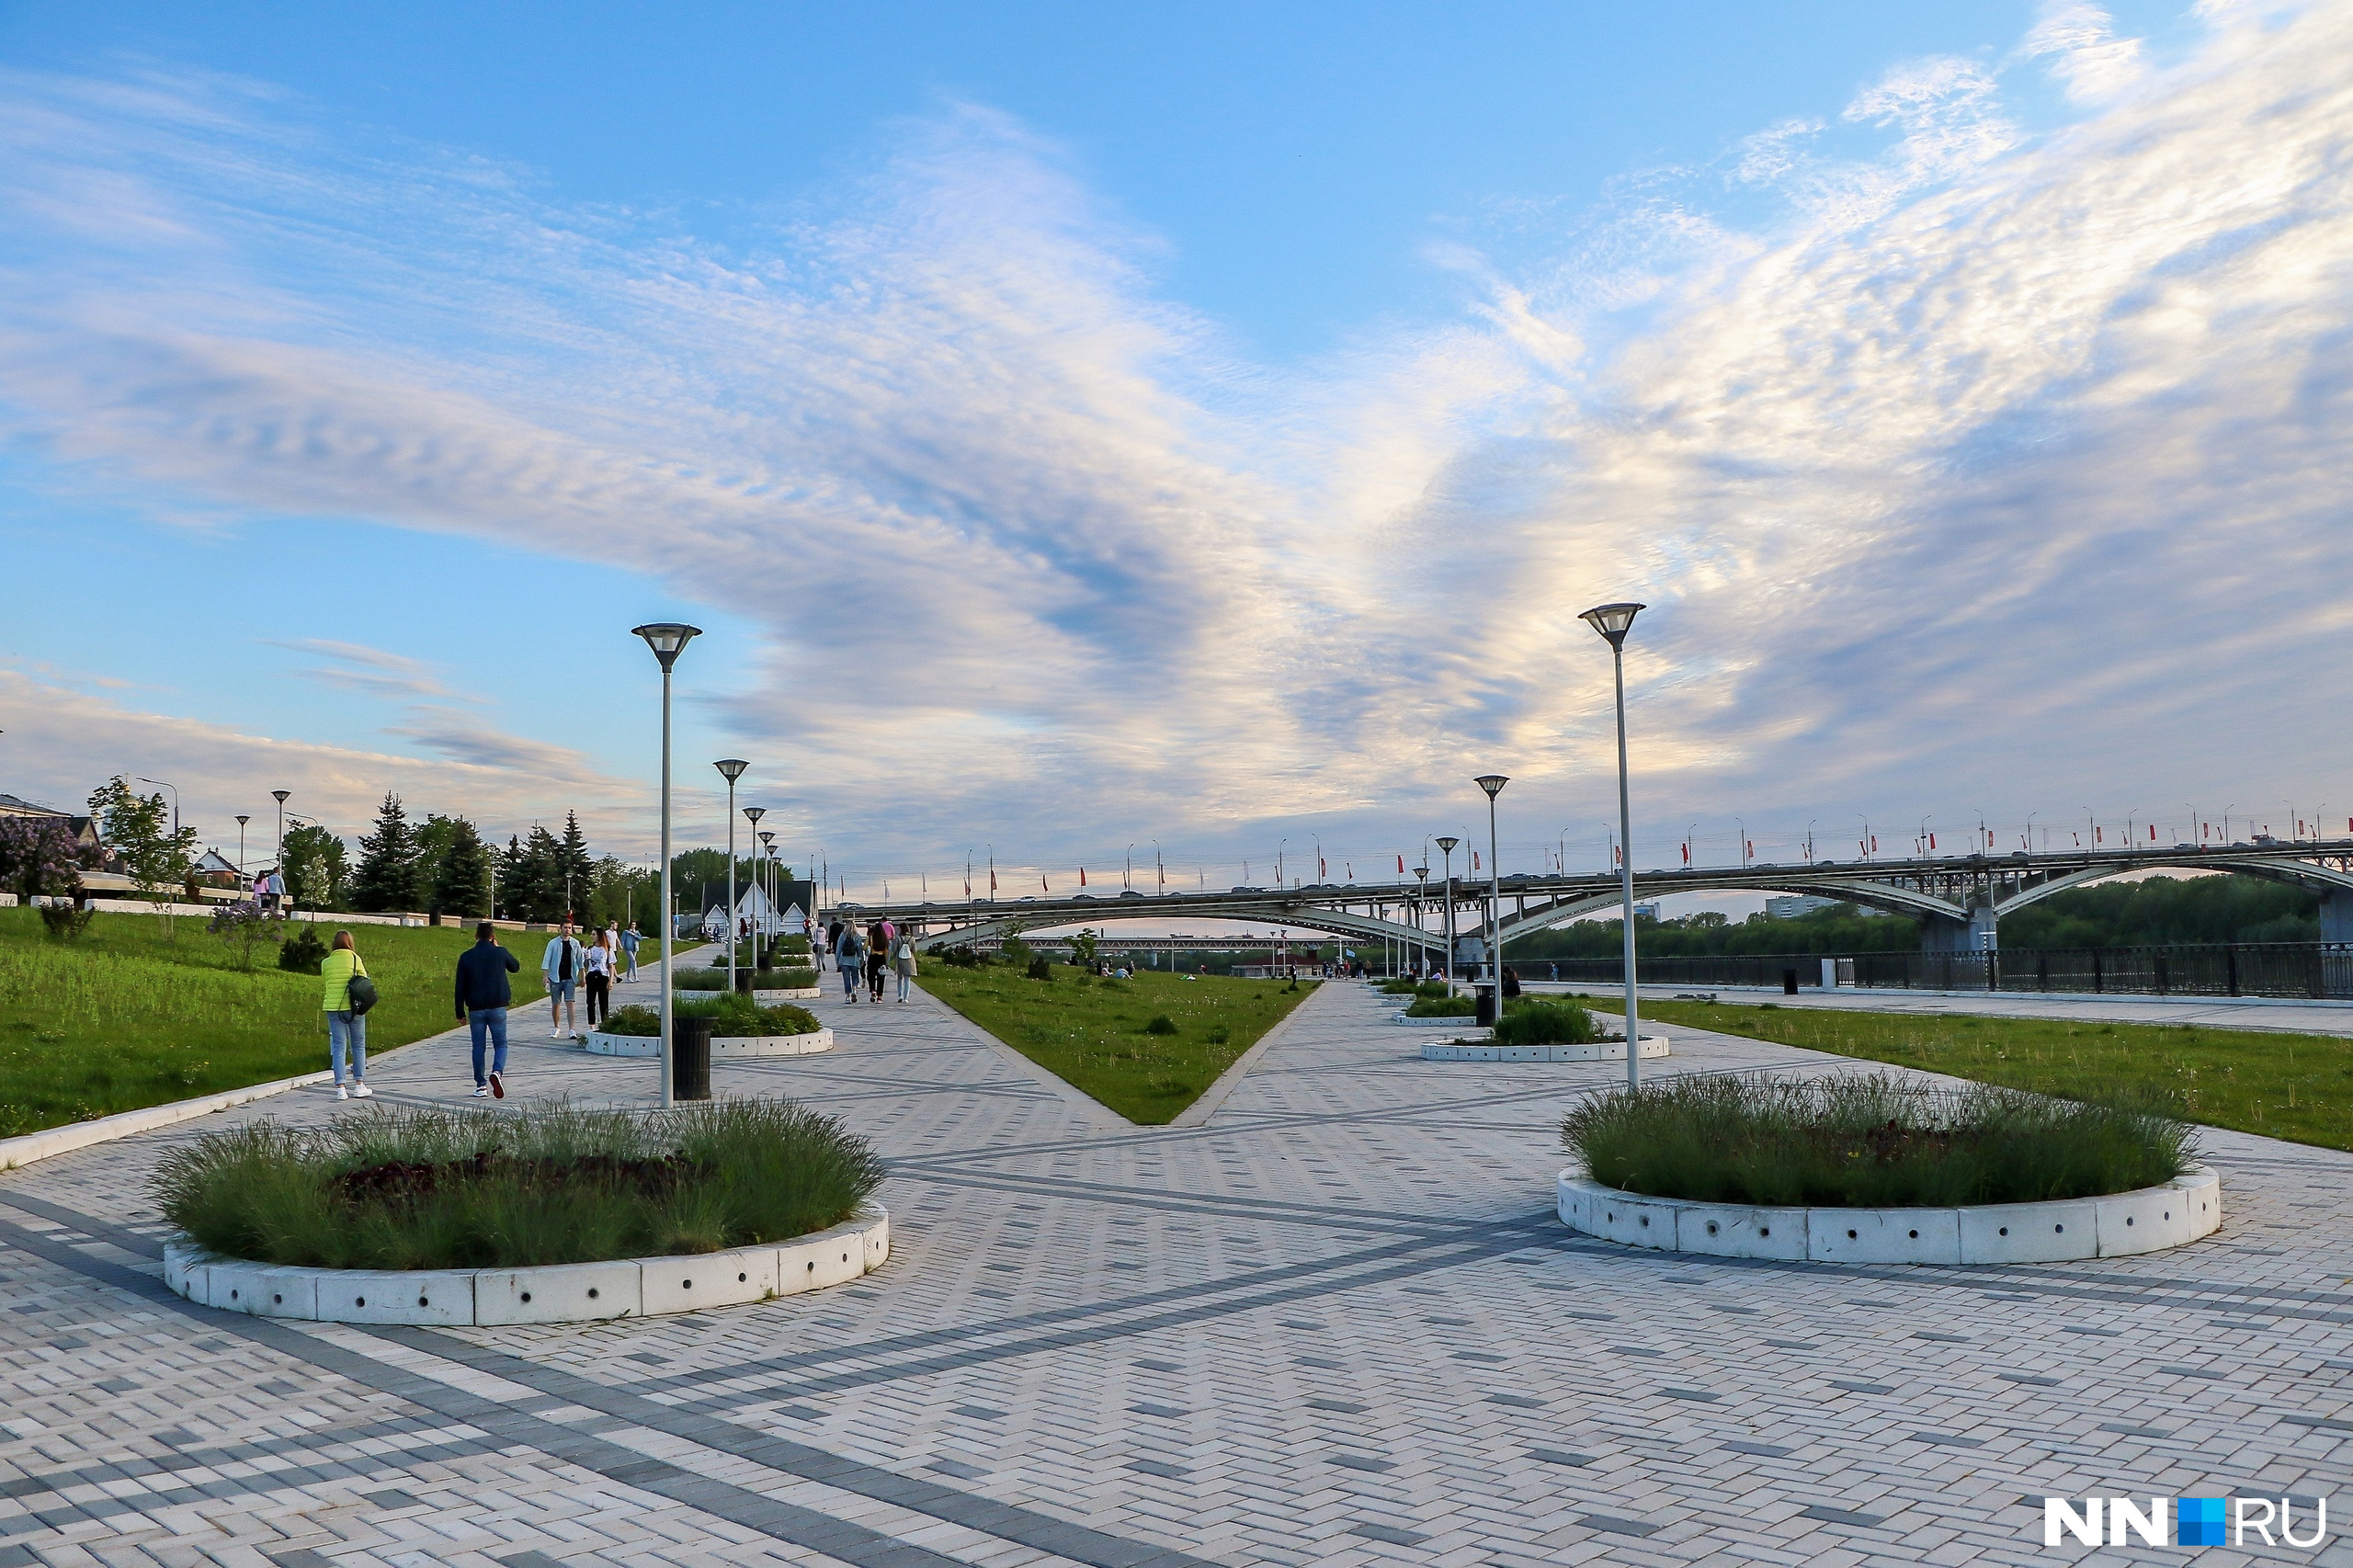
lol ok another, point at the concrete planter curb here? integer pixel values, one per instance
(723, 1047)
(2123, 1224)
(569, 1292)
(1653, 1045)
(770, 999)
(27, 1147)
(1431, 1021)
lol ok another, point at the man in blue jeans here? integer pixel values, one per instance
(484, 992)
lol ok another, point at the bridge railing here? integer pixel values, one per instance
(2311, 970)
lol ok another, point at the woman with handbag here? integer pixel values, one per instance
(349, 995)
(902, 958)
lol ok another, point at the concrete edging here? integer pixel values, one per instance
(770, 997)
(566, 1293)
(723, 1047)
(1653, 1046)
(2122, 1224)
(25, 1148)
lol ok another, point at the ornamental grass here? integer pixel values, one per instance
(1872, 1141)
(557, 1182)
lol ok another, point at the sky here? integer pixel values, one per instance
(1192, 429)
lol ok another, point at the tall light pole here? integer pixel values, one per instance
(1128, 877)
(278, 860)
(668, 640)
(776, 883)
(1613, 621)
(1446, 846)
(731, 768)
(1492, 783)
(242, 820)
(758, 881)
(1421, 918)
(176, 800)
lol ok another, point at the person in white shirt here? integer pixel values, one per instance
(559, 970)
(599, 964)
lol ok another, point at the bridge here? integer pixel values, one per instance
(1959, 899)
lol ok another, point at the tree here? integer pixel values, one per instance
(462, 872)
(575, 870)
(388, 862)
(36, 858)
(158, 860)
(316, 867)
(531, 878)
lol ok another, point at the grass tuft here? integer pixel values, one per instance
(1875, 1141)
(1546, 1022)
(558, 1183)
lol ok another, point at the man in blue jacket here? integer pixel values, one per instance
(482, 990)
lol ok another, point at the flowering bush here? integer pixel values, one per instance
(37, 858)
(242, 925)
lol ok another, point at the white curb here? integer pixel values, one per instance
(2065, 1231)
(721, 1046)
(567, 1292)
(27, 1147)
(1653, 1045)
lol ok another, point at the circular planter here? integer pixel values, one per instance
(2066, 1231)
(1432, 1020)
(720, 1046)
(566, 1293)
(1653, 1045)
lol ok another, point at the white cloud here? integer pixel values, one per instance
(1992, 463)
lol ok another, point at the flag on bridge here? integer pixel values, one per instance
(1082, 880)
(1401, 871)
(1474, 865)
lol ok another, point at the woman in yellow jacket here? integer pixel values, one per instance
(344, 1025)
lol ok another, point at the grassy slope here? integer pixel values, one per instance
(123, 1019)
(1092, 1034)
(2297, 1088)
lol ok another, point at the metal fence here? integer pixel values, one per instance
(2219, 968)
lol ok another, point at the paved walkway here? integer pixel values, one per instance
(1337, 1324)
(2207, 1012)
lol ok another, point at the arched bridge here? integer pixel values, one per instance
(1959, 899)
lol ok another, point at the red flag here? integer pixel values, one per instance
(1082, 876)
(1932, 845)
(1874, 847)
(1475, 865)
(1324, 871)
(1401, 869)
(1043, 883)
(1686, 860)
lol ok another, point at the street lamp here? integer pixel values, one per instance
(1447, 845)
(731, 769)
(1613, 621)
(176, 800)
(242, 820)
(1492, 783)
(1421, 917)
(756, 813)
(278, 860)
(668, 640)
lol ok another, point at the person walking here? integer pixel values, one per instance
(346, 1025)
(849, 957)
(596, 973)
(630, 940)
(902, 958)
(878, 958)
(560, 971)
(482, 997)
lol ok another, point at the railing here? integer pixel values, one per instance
(2218, 969)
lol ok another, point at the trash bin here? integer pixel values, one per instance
(690, 1057)
(1485, 994)
(743, 978)
(1789, 982)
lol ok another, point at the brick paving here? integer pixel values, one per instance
(1335, 1323)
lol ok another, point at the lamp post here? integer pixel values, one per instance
(1613, 621)
(1421, 919)
(1492, 783)
(278, 857)
(667, 640)
(1446, 846)
(175, 789)
(776, 883)
(242, 820)
(731, 769)
(758, 881)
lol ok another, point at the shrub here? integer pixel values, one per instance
(785, 979)
(955, 957)
(302, 953)
(1161, 1024)
(451, 1188)
(242, 925)
(792, 944)
(1443, 1006)
(65, 921)
(1400, 986)
(1217, 1034)
(1546, 1022)
(644, 1021)
(1873, 1140)
(738, 1015)
(1040, 969)
(698, 979)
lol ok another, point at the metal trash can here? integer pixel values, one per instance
(743, 982)
(690, 1057)
(1485, 994)
(1789, 982)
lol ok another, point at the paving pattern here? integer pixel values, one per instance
(2279, 1014)
(1335, 1323)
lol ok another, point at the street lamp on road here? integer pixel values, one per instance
(668, 640)
(242, 820)
(1421, 917)
(731, 768)
(760, 882)
(278, 859)
(1447, 845)
(1613, 621)
(1492, 783)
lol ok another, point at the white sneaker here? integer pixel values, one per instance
(481, 1091)
(555, 1034)
(340, 1094)
(361, 1089)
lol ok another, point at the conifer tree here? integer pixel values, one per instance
(461, 877)
(387, 878)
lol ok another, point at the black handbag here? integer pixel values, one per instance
(363, 994)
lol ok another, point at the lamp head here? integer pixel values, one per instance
(1447, 843)
(668, 639)
(279, 795)
(767, 837)
(1492, 783)
(756, 813)
(1612, 621)
(243, 819)
(733, 768)
(1423, 872)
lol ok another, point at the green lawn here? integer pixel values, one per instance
(2295, 1087)
(123, 1019)
(1092, 1034)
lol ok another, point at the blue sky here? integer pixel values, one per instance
(1082, 425)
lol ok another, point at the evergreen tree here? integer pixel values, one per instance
(461, 876)
(388, 862)
(575, 871)
(508, 905)
(535, 891)
(316, 868)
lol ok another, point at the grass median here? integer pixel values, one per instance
(2295, 1087)
(1099, 1036)
(122, 1017)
